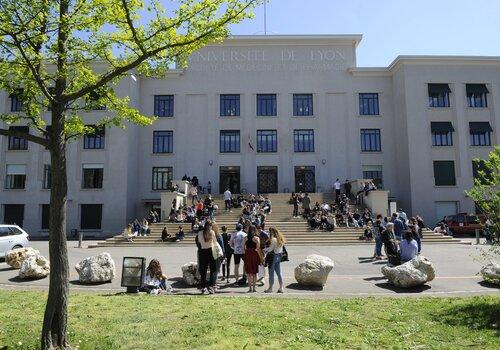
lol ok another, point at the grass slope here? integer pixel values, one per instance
(173, 322)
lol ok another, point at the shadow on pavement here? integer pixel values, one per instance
(296, 286)
(378, 278)
(78, 283)
(390, 286)
(487, 284)
(7, 269)
(18, 279)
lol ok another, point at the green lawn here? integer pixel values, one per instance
(180, 322)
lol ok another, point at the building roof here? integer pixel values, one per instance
(316, 39)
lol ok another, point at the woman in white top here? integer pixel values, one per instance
(205, 239)
(275, 249)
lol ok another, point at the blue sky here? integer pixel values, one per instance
(389, 27)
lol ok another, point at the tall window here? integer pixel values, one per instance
(303, 140)
(439, 95)
(368, 104)
(164, 105)
(267, 141)
(95, 140)
(477, 95)
(92, 176)
(16, 102)
(444, 173)
(266, 105)
(162, 178)
(229, 105)
(45, 216)
(370, 140)
(481, 173)
(373, 172)
(16, 177)
(302, 105)
(90, 216)
(18, 143)
(480, 133)
(442, 133)
(229, 141)
(47, 177)
(163, 141)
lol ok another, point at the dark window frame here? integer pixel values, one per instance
(303, 105)
(480, 139)
(376, 176)
(18, 143)
(477, 100)
(16, 102)
(371, 140)
(230, 105)
(96, 140)
(47, 177)
(440, 177)
(226, 142)
(89, 211)
(442, 138)
(267, 105)
(45, 222)
(369, 104)
(158, 178)
(164, 106)
(303, 140)
(92, 178)
(163, 141)
(14, 181)
(267, 141)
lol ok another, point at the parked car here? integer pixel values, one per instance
(12, 237)
(463, 223)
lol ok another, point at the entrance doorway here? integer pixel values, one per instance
(305, 179)
(229, 177)
(267, 179)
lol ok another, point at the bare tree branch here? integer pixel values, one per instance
(33, 138)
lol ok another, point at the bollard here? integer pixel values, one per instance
(80, 239)
(477, 236)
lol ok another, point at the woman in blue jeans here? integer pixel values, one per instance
(377, 233)
(276, 250)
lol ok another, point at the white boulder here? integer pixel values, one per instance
(34, 267)
(491, 273)
(15, 257)
(190, 274)
(314, 270)
(96, 269)
(413, 273)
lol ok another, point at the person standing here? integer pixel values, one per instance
(237, 243)
(347, 188)
(228, 197)
(295, 202)
(252, 257)
(275, 250)
(306, 205)
(336, 186)
(228, 253)
(377, 233)
(206, 239)
(194, 194)
(398, 226)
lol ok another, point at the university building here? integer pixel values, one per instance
(271, 114)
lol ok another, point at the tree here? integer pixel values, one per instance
(486, 195)
(56, 54)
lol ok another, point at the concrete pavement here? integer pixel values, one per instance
(354, 274)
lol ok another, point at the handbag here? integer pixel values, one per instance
(216, 250)
(284, 255)
(268, 261)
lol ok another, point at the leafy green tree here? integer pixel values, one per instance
(486, 195)
(62, 54)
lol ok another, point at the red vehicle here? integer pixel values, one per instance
(463, 223)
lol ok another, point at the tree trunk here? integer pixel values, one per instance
(54, 333)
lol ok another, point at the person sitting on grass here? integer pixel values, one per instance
(155, 282)
(409, 247)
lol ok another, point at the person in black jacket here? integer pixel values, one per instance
(228, 253)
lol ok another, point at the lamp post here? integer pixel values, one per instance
(133, 273)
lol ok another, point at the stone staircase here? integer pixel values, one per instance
(296, 230)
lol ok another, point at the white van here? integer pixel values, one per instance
(12, 237)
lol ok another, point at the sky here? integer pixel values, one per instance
(389, 27)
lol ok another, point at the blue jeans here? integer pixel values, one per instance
(419, 242)
(378, 246)
(275, 267)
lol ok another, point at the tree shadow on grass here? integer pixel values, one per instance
(411, 290)
(474, 314)
(296, 286)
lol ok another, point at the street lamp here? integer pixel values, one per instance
(133, 273)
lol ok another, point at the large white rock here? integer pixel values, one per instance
(34, 267)
(413, 273)
(15, 257)
(190, 274)
(491, 273)
(96, 269)
(314, 270)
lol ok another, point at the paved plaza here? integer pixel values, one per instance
(355, 273)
